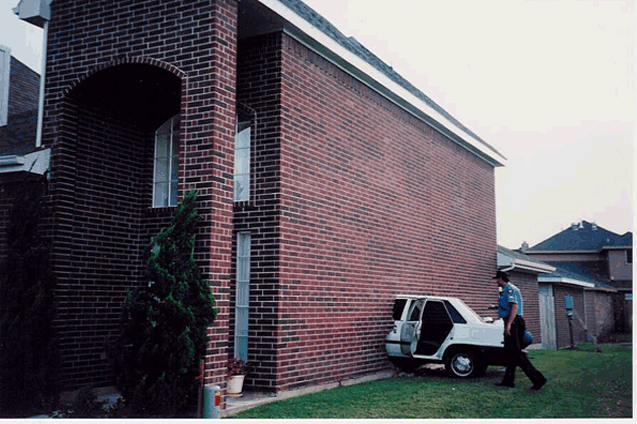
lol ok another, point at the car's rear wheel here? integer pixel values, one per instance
(463, 364)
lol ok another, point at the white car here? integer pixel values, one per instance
(432, 329)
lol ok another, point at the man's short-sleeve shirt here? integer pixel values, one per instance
(510, 294)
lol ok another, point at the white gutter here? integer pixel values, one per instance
(564, 280)
(380, 78)
(35, 162)
(513, 263)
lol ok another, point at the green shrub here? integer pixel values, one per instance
(158, 354)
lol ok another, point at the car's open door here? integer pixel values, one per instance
(434, 327)
(409, 330)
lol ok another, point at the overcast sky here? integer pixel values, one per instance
(549, 84)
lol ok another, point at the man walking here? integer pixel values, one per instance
(510, 310)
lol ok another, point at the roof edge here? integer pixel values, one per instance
(564, 280)
(314, 39)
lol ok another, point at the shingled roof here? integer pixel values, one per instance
(17, 137)
(584, 236)
(575, 272)
(351, 44)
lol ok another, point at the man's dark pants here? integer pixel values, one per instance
(517, 357)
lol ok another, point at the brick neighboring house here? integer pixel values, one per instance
(545, 287)
(19, 157)
(598, 257)
(328, 184)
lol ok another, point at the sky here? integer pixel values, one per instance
(549, 84)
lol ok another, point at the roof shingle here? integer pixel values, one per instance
(584, 236)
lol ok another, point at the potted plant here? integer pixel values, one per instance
(237, 370)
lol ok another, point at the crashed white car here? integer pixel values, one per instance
(445, 330)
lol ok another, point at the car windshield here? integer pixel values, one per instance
(468, 311)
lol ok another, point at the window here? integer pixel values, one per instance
(399, 305)
(166, 164)
(455, 315)
(629, 256)
(416, 310)
(242, 162)
(242, 303)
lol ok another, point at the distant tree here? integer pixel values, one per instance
(158, 353)
(28, 352)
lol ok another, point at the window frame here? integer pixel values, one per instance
(240, 127)
(243, 255)
(172, 159)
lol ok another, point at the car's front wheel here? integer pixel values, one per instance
(462, 364)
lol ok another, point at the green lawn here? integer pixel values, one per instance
(582, 384)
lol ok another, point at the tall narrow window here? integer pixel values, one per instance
(243, 297)
(166, 164)
(242, 162)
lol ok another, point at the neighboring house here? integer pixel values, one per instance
(545, 288)
(19, 87)
(19, 157)
(598, 257)
(592, 306)
(328, 184)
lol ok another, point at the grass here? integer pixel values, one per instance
(582, 384)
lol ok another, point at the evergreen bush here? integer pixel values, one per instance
(158, 353)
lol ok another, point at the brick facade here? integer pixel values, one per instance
(258, 94)
(562, 328)
(115, 72)
(353, 200)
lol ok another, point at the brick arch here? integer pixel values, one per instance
(101, 186)
(128, 60)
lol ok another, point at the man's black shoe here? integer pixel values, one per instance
(503, 384)
(538, 385)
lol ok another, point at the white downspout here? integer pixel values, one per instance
(38, 13)
(45, 36)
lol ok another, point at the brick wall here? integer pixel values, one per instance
(258, 96)
(372, 203)
(107, 68)
(602, 323)
(355, 199)
(562, 330)
(24, 88)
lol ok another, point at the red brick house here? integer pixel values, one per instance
(545, 288)
(19, 158)
(328, 184)
(601, 261)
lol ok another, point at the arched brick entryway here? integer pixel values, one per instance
(101, 185)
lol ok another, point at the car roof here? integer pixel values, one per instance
(424, 296)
